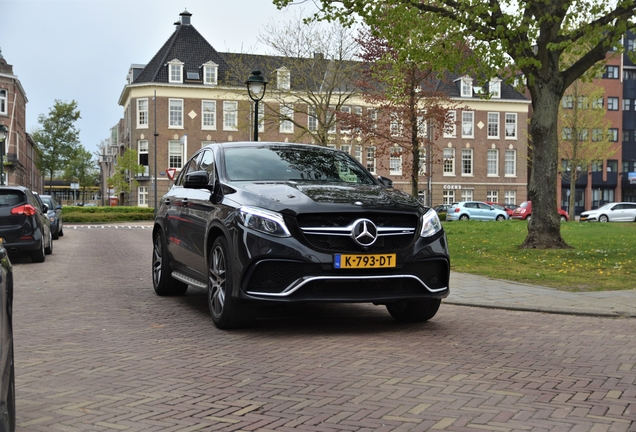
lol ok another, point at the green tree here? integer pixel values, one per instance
(57, 138)
(125, 170)
(81, 168)
(536, 37)
(583, 132)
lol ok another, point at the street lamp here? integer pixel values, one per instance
(3, 136)
(256, 90)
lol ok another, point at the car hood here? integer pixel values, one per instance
(302, 197)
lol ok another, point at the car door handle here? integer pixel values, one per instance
(184, 202)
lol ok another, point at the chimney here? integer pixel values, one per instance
(184, 18)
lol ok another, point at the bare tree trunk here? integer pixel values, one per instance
(544, 228)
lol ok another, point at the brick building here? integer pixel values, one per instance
(189, 95)
(20, 150)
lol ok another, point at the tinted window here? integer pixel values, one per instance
(11, 198)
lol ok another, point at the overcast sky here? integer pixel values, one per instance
(82, 49)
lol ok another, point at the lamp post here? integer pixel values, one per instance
(3, 136)
(256, 90)
(429, 168)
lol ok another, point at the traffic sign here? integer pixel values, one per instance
(171, 172)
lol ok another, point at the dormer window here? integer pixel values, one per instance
(283, 78)
(210, 73)
(467, 87)
(175, 71)
(495, 88)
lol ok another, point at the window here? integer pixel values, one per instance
(492, 162)
(510, 197)
(176, 113)
(596, 166)
(373, 116)
(230, 115)
(422, 170)
(175, 71)
(467, 87)
(395, 126)
(346, 110)
(492, 196)
(448, 197)
(450, 128)
(612, 103)
(142, 113)
(345, 148)
(627, 104)
(175, 154)
(371, 159)
(582, 135)
(286, 117)
(283, 79)
(627, 135)
(567, 102)
(395, 162)
(629, 74)
(566, 133)
(495, 88)
(312, 120)
(208, 119)
(612, 134)
(331, 119)
(493, 125)
(142, 196)
(467, 194)
(449, 162)
(3, 101)
(358, 112)
(611, 72)
(597, 134)
(210, 73)
(467, 124)
(261, 118)
(142, 152)
(597, 103)
(582, 102)
(422, 127)
(510, 163)
(612, 165)
(357, 153)
(511, 126)
(467, 162)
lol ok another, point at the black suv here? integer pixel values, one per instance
(270, 222)
(24, 224)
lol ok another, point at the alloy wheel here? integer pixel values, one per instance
(217, 284)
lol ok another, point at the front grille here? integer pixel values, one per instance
(345, 243)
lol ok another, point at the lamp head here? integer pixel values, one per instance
(256, 84)
(3, 132)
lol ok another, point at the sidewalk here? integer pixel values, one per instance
(471, 290)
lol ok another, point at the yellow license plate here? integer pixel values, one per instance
(364, 261)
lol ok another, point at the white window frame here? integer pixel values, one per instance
(510, 197)
(142, 148)
(452, 120)
(175, 154)
(142, 196)
(492, 163)
(345, 148)
(467, 162)
(208, 115)
(373, 116)
(395, 126)
(331, 120)
(210, 73)
(467, 195)
(468, 118)
(448, 164)
(493, 125)
(357, 152)
(467, 87)
(494, 87)
(395, 162)
(347, 110)
(312, 119)
(283, 79)
(510, 163)
(422, 167)
(175, 113)
(175, 72)
(492, 196)
(448, 196)
(511, 132)
(230, 115)
(286, 126)
(142, 113)
(370, 159)
(4, 101)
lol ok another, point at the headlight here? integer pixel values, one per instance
(430, 224)
(264, 221)
(52, 218)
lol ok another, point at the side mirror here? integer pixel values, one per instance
(198, 180)
(45, 208)
(386, 182)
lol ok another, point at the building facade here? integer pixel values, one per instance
(189, 95)
(20, 150)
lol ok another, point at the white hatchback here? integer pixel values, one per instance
(612, 212)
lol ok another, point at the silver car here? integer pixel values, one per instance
(475, 210)
(612, 212)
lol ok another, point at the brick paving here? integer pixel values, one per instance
(97, 350)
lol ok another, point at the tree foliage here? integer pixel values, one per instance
(81, 168)
(125, 170)
(57, 138)
(553, 43)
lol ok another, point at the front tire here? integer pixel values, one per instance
(464, 217)
(603, 218)
(226, 311)
(414, 310)
(38, 256)
(162, 281)
(500, 218)
(49, 250)
(563, 219)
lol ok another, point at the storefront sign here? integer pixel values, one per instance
(452, 186)
(631, 178)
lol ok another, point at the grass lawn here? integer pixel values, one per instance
(603, 256)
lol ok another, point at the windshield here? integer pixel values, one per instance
(606, 206)
(293, 163)
(524, 204)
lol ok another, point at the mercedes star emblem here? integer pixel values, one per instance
(364, 232)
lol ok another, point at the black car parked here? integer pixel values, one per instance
(55, 215)
(269, 222)
(7, 376)
(24, 224)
